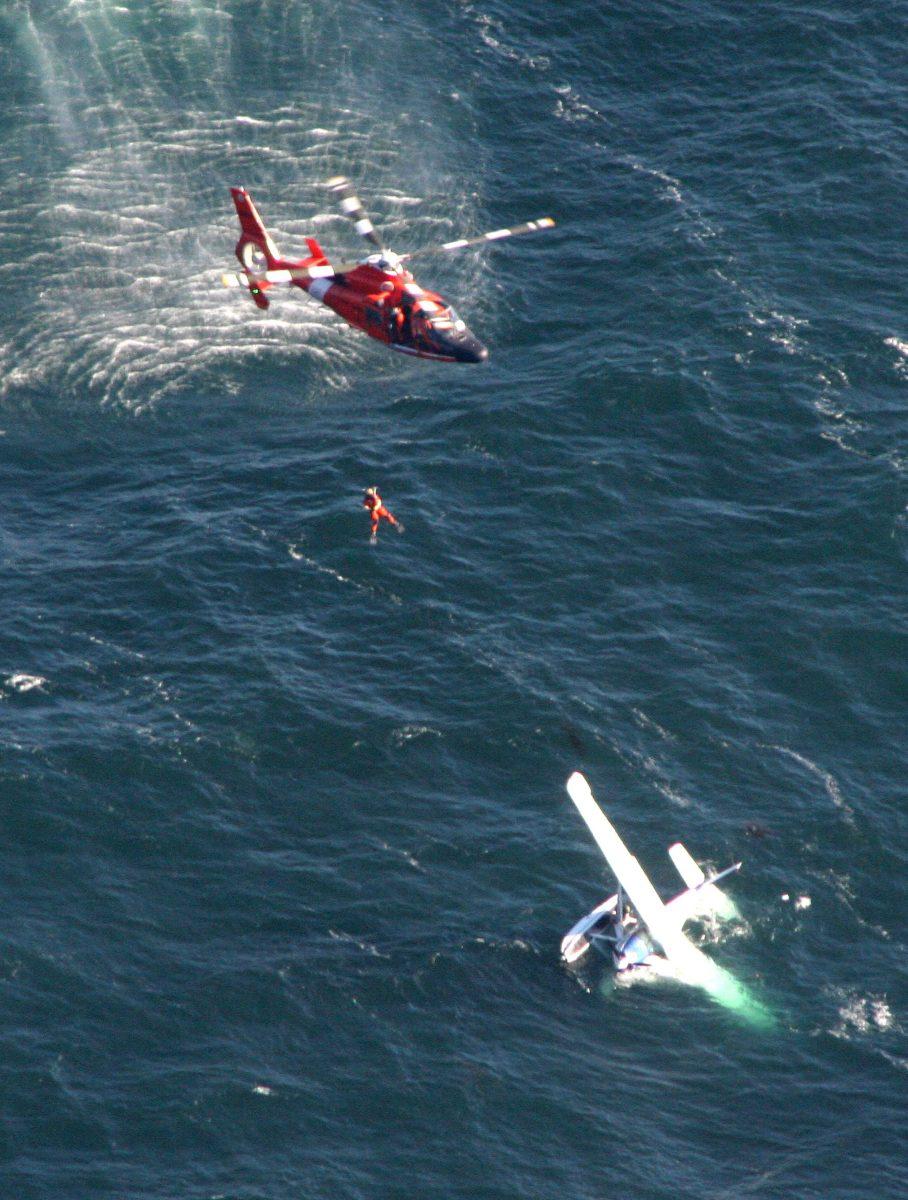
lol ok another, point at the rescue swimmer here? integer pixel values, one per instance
(372, 501)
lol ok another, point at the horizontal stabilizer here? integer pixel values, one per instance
(687, 868)
(286, 275)
(266, 277)
(704, 899)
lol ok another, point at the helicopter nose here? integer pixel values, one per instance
(456, 343)
(467, 348)
(474, 351)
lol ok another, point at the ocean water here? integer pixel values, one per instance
(285, 850)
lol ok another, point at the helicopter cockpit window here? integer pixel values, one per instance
(451, 318)
(441, 318)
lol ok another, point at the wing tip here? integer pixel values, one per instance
(578, 783)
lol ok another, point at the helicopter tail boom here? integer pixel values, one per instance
(255, 247)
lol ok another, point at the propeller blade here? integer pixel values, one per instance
(495, 236)
(351, 207)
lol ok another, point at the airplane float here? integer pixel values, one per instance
(377, 294)
(639, 933)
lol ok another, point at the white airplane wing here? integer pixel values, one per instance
(663, 926)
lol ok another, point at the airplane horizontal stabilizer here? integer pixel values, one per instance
(687, 868)
(704, 899)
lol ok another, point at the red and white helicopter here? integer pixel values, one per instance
(377, 294)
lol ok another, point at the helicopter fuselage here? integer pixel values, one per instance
(391, 307)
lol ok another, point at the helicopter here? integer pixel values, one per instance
(376, 294)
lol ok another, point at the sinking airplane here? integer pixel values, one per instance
(639, 933)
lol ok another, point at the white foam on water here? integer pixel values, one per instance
(408, 858)
(298, 556)
(21, 682)
(409, 733)
(338, 935)
(830, 783)
(901, 348)
(861, 1014)
(146, 316)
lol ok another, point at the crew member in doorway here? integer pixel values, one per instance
(402, 317)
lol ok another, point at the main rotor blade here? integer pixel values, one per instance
(495, 236)
(287, 275)
(351, 207)
(325, 272)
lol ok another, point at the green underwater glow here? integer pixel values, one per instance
(697, 969)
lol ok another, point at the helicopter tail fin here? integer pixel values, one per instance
(318, 257)
(255, 249)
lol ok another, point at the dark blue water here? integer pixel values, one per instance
(285, 851)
